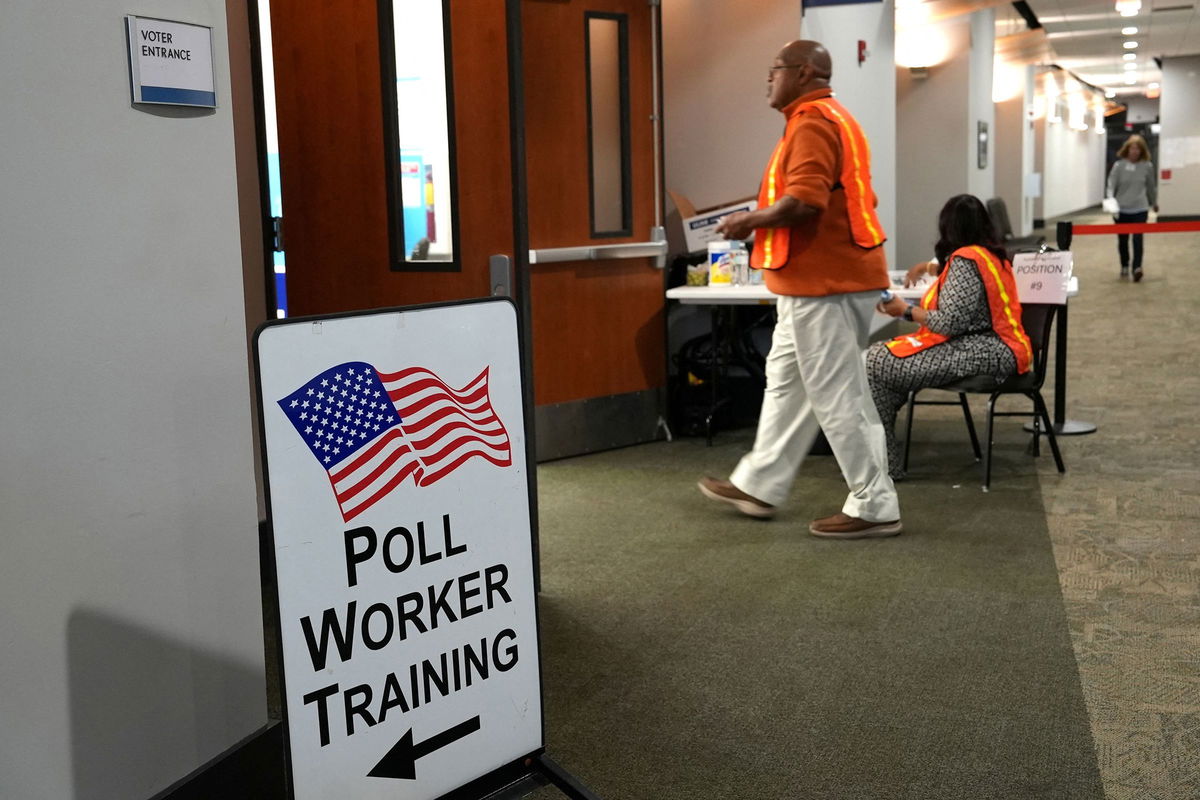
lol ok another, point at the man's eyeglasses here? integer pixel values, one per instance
(771, 70)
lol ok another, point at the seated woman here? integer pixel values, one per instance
(970, 320)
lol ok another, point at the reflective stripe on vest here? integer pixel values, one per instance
(924, 338)
(856, 173)
(1003, 306)
(771, 244)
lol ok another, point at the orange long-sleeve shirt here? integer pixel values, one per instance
(822, 256)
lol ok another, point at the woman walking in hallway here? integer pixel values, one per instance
(1133, 183)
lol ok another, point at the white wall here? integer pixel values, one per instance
(935, 133)
(1073, 169)
(1139, 108)
(1031, 171)
(1009, 156)
(1179, 138)
(982, 26)
(867, 90)
(129, 579)
(718, 129)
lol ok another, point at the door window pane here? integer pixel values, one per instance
(420, 138)
(608, 123)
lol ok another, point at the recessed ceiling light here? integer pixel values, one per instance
(1128, 8)
(1130, 65)
(1130, 56)
(1131, 79)
(1152, 86)
(1130, 31)
(1130, 45)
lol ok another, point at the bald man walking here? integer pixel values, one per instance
(819, 241)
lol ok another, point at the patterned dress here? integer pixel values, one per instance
(973, 349)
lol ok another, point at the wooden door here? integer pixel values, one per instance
(598, 325)
(595, 329)
(338, 234)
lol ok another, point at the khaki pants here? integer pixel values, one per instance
(816, 381)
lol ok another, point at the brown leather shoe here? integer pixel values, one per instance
(843, 526)
(726, 492)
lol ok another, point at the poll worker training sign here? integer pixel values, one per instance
(400, 510)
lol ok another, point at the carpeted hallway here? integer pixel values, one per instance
(1038, 641)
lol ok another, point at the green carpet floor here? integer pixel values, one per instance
(689, 652)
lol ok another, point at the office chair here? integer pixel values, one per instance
(1037, 319)
(998, 211)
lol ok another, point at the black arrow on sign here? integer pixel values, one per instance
(401, 760)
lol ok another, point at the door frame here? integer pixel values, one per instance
(519, 270)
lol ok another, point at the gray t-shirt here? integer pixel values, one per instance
(1134, 185)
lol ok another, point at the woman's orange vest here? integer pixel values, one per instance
(771, 244)
(1003, 304)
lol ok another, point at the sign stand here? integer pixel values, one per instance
(1062, 425)
(542, 771)
(400, 512)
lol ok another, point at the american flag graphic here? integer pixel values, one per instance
(372, 430)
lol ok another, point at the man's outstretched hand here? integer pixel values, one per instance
(738, 225)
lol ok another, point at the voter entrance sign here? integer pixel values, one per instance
(170, 63)
(400, 510)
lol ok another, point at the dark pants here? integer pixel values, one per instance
(1123, 239)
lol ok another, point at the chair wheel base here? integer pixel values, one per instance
(1070, 427)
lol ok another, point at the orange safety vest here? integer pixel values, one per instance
(771, 244)
(1003, 304)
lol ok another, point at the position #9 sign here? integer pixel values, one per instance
(399, 498)
(1043, 277)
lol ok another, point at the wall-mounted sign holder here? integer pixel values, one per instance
(170, 63)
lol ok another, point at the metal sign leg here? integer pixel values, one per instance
(1062, 425)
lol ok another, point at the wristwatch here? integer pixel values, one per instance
(908, 313)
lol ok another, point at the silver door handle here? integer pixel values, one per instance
(598, 252)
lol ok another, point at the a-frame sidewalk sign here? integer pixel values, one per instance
(400, 508)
